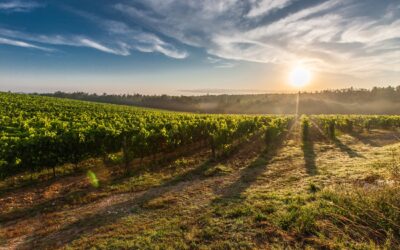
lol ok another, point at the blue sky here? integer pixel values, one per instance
(179, 46)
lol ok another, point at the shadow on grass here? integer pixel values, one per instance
(231, 203)
(84, 195)
(81, 197)
(364, 139)
(247, 177)
(107, 214)
(250, 174)
(111, 213)
(45, 179)
(50, 205)
(309, 157)
(344, 148)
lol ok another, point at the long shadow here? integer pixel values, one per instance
(344, 148)
(309, 157)
(47, 206)
(247, 177)
(110, 214)
(250, 174)
(38, 182)
(152, 165)
(364, 139)
(59, 202)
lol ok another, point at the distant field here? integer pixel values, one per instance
(79, 175)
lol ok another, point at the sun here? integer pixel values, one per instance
(299, 76)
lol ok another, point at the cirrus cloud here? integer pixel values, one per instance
(19, 6)
(22, 44)
(345, 36)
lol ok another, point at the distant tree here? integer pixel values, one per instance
(349, 100)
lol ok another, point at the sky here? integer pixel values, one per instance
(187, 47)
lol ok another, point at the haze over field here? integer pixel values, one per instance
(180, 47)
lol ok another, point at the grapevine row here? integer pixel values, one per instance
(354, 123)
(41, 132)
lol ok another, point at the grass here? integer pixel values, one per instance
(254, 198)
(219, 169)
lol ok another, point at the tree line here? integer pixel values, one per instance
(377, 100)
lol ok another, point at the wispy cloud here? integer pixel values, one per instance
(142, 41)
(220, 63)
(119, 38)
(263, 7)
(346, 36)
(134, 38)
(74, 41)
(19, 6)
(23, 44)
(92, 44)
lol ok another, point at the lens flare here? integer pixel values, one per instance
(93, 179)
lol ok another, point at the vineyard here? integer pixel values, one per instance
(39, 132)
(330, 124)
(233, 181)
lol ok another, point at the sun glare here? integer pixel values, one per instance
(299, 77)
